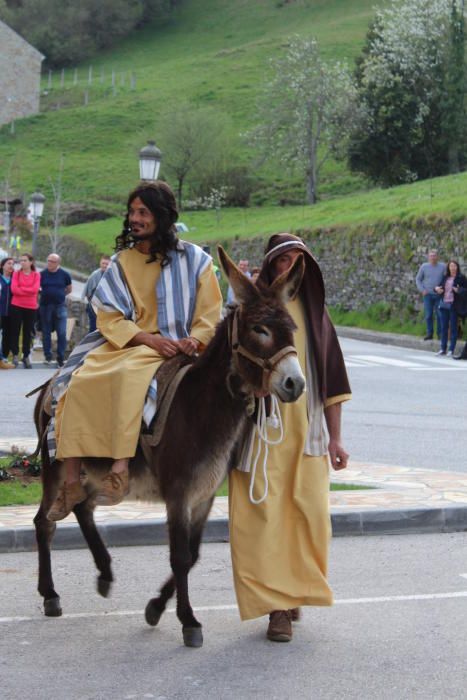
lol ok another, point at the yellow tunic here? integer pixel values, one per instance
(280, 547)
(100, 414)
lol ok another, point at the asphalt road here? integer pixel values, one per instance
(408, 406)
(397, 630)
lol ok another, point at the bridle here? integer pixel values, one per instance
(267, 364)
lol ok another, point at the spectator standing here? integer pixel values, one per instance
(429, 276)
(91, 286)
(25, 284)
(451, 291)
(243, 266)
(6, 272)
(55, 285)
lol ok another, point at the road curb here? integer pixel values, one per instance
(397, 339)
(346, 523)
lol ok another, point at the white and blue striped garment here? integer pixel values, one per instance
(175, 292)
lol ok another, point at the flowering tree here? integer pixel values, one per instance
(306, 112)
(411, 85)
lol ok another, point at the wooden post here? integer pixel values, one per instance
(86, 98)
(90, 76)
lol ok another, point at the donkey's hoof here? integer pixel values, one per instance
(153, 612)
(103, 587)
(193, 637)
(52, 607)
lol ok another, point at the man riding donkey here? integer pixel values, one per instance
(158, 298)
(280, 543)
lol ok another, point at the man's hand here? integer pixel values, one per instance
(339, 457)
(188, 345)
(164, 346)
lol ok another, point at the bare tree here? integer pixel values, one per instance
(195, 141)
(54, 231)
(306, 112)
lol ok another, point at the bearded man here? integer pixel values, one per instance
(159, 297)
(280, 546)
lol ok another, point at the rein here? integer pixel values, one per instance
(263, 421)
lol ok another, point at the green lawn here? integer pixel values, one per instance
(13, 493)
(215, 53)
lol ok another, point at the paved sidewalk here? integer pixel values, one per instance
(403, 501)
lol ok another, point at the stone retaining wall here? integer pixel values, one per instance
(362, 266)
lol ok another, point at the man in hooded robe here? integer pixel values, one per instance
(280, 546)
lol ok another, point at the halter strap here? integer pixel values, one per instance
(267, 364)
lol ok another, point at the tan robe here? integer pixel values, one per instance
(100, 414)
(280, 547)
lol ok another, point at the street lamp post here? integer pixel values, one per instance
(149, 162)
(36, 207)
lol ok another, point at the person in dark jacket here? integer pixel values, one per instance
(451, 289)
(6, 272)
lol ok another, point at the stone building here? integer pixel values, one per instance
(20, 73)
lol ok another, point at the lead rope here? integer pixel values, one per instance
(262, 423)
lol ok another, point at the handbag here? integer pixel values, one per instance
(445, 305)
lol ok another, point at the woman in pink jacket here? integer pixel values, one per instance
(25, 285)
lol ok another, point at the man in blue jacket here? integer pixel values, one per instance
(55, 285)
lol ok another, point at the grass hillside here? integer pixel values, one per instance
(214, 52)
(442, 197)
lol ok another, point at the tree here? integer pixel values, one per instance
(411, 85)
(306, 111)
(195, 142)
(66, 31)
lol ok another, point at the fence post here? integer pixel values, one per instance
(62, 78)
(49, 82)
(75, 77)
(90, 76)
(86, 98)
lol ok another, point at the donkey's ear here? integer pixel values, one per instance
(243, 287)
(288, 284)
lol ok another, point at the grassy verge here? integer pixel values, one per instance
(378, 317)
(441, 200)
(14, 493)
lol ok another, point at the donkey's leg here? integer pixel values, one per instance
(45, 530)
(179, 521)
(198, 521)
(156, 606)
(52, 475)
(84, 512)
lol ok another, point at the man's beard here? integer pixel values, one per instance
(142, 237)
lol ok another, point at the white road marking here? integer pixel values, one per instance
(438, 369)
(233, 607)
(434, 363)
(381, 360)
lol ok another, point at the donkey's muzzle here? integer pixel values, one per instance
(287, 380)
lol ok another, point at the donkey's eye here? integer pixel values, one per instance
(261, 330)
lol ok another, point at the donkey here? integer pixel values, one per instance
(251, 354)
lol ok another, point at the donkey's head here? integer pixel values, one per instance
(261, 332)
